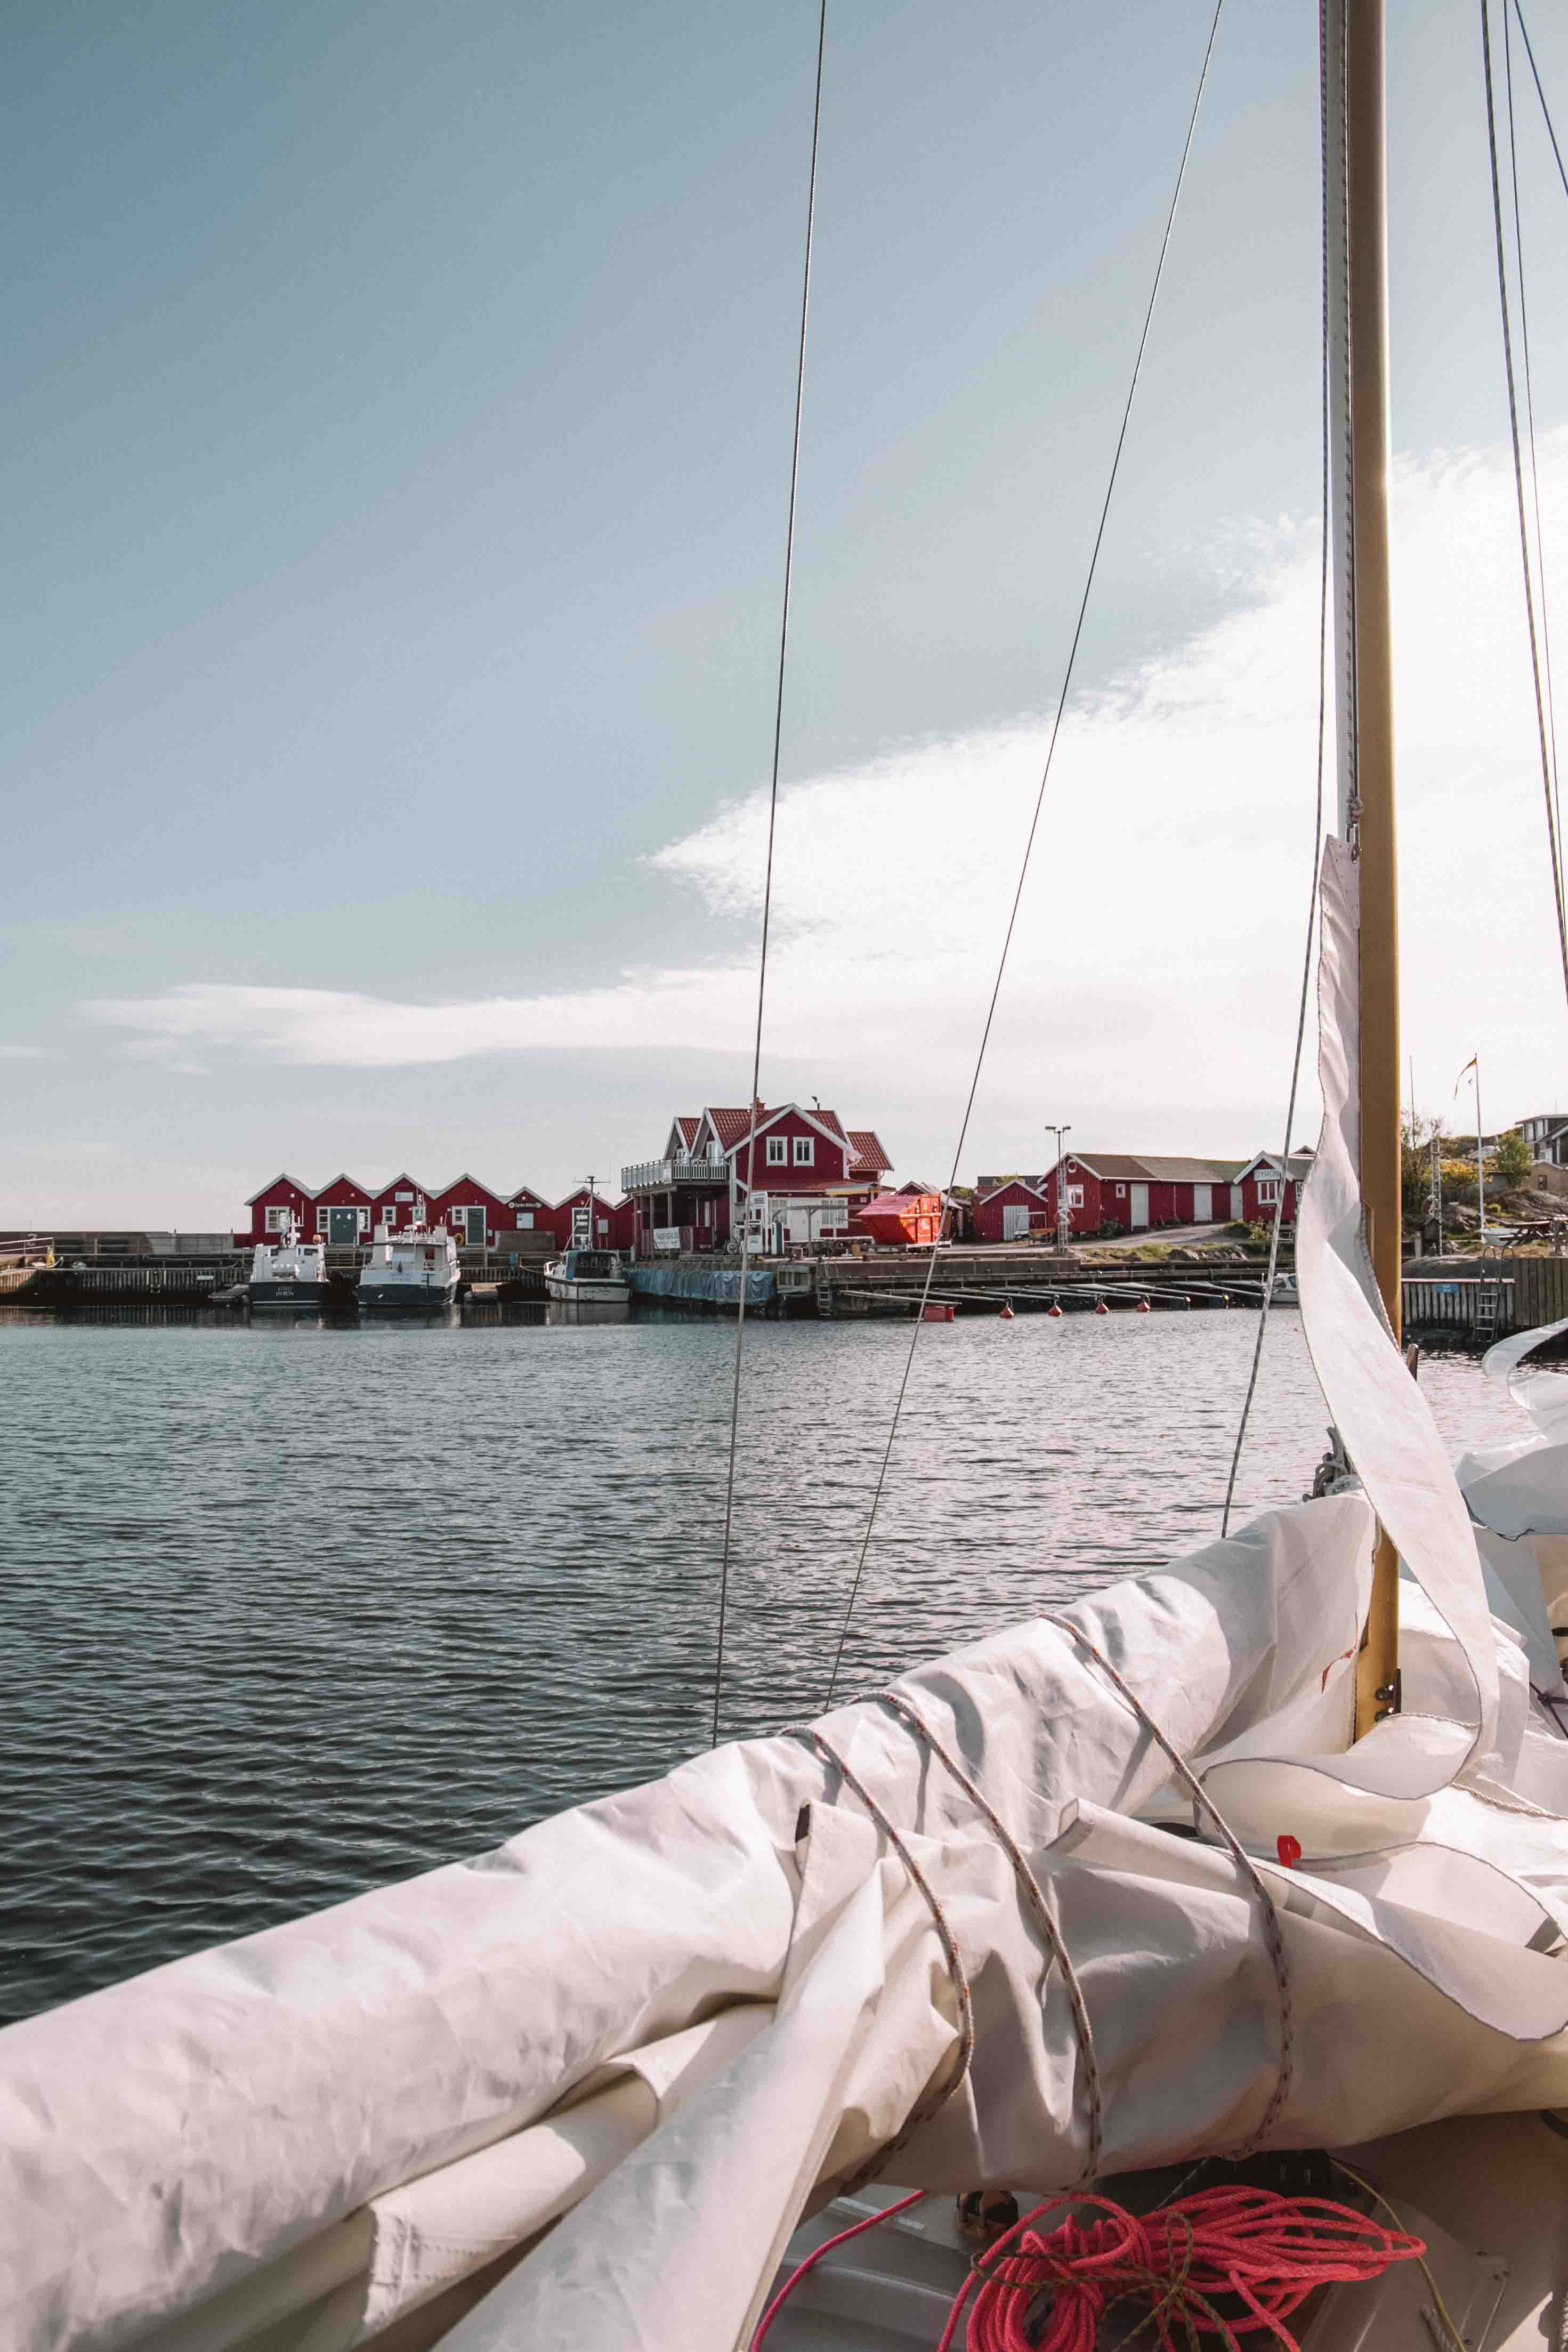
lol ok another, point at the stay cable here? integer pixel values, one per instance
(768, 880)
(1028, 850)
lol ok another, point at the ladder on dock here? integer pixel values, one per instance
(1489, 1312)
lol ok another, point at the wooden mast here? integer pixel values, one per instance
(1358, 317)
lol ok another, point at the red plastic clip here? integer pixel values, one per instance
(1289, 1849)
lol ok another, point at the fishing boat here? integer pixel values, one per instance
(289, 1274)
(412, 1271)
(1244, 1880)
(588, 1277)
(584, 1275)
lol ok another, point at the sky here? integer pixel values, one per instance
(398, 421)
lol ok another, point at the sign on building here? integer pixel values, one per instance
(667, 1237)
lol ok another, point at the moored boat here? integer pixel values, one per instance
(588, 1277)
(290, 1276)
(410, 1273)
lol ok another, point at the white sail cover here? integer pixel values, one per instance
(729, 1989)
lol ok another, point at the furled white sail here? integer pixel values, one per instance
(731, 1988)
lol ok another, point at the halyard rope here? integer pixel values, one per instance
(768, 882)
(1028, 851)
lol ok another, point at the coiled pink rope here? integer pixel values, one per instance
(1040, 2293)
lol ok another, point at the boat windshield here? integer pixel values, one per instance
(593, 1264)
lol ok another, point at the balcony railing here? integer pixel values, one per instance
(658, 1175)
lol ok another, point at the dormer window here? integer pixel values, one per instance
(778, 1148)
(805, 1150)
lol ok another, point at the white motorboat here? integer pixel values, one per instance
(413, 1272)
(588, 1277)
(288, 1274)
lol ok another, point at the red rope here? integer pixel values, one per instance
(1041, 2294)
(815, 2255)
(1048, 2293)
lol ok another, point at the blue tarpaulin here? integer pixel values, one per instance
(709, 1286)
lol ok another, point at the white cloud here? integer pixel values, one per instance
(1150, 991)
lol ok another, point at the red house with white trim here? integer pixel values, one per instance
(1261, 1183)
(274, 1206)
(530, 1209)
(475, 1212)
(399, 1204)
(814, 1171)
(1136, 1192)
(345, 1212)
(342, 1213)
(615, 1223)
(1015, 1210)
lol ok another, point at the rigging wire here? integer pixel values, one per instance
(1028, 851)
(768, 879)
(1530, 429)
(1540, 94)
(1519, 487)
(1318, 812)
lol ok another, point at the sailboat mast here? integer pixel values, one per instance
(1359, 441)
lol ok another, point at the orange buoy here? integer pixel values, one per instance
(1100, 1308)
(1053, 1308)
(1142, 1307)
(1007, 1316)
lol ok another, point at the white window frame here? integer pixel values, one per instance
(1121, 1192)
(804, 1151)
(278, 1218)
(1074, 1196)
(525, 1220)
(1269, 1191)
(777, 1154)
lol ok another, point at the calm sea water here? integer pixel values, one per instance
(290, 1610)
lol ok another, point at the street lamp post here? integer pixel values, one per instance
(1064, 1216)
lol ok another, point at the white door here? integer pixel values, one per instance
(1140, 1205)
(1015, 1223)
(1236, 1204)
(1203, 1205)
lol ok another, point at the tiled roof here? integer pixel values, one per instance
(830, 1118)
(733, 1126)
(689, 1128)
(867, 1148)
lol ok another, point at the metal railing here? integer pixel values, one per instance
(658, 1175)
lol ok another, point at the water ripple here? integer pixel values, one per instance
(294, 1611)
